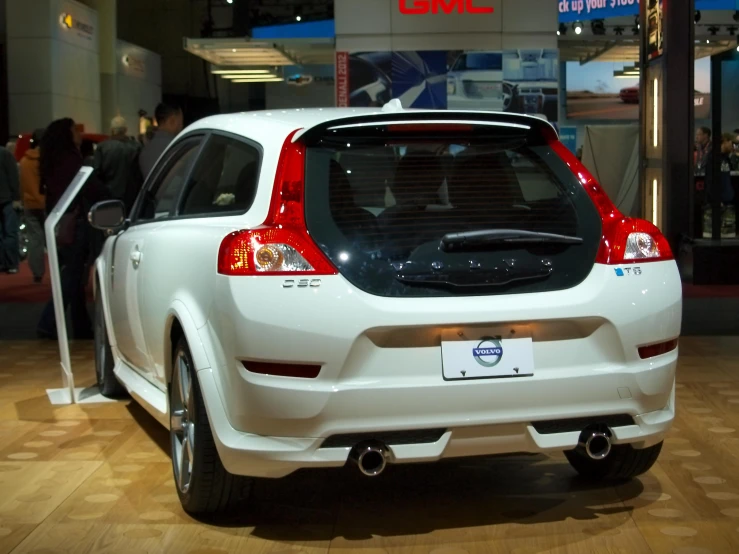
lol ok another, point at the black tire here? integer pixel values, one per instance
(211, 488)
(106, 380)
(622, 464)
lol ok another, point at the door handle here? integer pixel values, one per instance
(136, 257)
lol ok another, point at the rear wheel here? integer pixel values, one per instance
(203, 484)
(106, 380)
(622, 464)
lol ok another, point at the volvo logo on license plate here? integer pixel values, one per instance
(489, 352)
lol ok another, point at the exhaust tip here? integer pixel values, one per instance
(371, 458)
(596, 444)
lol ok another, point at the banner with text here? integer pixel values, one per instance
(585, 10)
(519, 81)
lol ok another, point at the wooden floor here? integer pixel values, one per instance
(97, 478)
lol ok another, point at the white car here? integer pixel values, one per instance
(495, 302)
(475, 82)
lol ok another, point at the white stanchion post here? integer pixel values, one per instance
(74, 188)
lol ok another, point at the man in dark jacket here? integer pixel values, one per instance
(116, 163)
(9, 202)
(169, 124)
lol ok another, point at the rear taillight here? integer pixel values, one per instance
(654, 350)
(625, 239)
(282, 245)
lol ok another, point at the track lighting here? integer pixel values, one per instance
(577, 26)
(618, 30)
(713, 30)
(598, 27)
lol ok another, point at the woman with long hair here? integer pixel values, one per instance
(59, 163)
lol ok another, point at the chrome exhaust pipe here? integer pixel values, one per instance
(596, 443)
(370, 457)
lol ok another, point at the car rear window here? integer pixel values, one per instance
(380, 205)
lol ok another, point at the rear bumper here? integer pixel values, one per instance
(381, 368)
(273, 457)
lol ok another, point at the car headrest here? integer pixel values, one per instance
(418, 178)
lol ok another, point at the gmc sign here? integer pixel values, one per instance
(418, 7)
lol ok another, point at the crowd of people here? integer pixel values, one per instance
(33, 186)
(707, 182)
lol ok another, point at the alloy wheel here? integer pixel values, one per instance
(181, 423)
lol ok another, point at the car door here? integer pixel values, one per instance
(153, 209)
(221, 186)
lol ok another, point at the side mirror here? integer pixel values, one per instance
(109, 215)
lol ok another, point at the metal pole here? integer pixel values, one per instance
(714, 187)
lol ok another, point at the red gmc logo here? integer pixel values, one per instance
(446, 6)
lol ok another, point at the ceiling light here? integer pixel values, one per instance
(229, 1)
(618, 30)
(598, 27)
(298, 18)
(713, 29)
(226, 70)
(562, 29)
(737, 44)
(732, 30)
(262, 80)
(577, 26)
(242, 76)
(736, 16)
(697, 16)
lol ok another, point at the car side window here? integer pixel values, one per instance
(224, 179)
(161, 196)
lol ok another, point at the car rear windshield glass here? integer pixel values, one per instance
(433, 213)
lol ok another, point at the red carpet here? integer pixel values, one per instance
(20, 288)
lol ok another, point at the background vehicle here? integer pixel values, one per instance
(629, 95)
(495, 302)
(475, 81)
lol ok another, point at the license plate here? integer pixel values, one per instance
(487, 358)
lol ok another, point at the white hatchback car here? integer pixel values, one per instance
(296, 289)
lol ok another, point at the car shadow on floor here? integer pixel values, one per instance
(414, 499)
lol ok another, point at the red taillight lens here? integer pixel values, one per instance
(282, 245)
(625, 240)
(302, 371)
(654, 350)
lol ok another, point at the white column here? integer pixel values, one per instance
(53, 64)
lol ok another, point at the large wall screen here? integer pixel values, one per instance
(605, 90)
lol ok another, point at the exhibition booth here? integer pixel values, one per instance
(66, 61)
(579, 68)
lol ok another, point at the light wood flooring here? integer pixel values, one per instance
(97, 478)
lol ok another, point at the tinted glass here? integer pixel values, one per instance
(380, 208)
(159, 199)
(483, 61)
(224, 179)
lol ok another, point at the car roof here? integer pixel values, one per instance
(269, 125)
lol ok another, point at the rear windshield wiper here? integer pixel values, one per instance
(506, 237)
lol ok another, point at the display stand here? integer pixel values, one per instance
(68, 393)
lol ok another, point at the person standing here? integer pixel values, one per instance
(116, 163)
(9, 203)
(59, 163)
(34, 206)
(169, 124)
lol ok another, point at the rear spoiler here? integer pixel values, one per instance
(537, 126)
